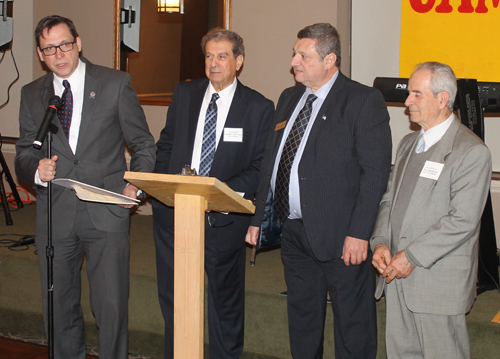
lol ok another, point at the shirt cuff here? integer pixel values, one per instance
(38, 181)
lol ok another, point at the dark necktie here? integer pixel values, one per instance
(281, 203)
(65, 112)
(208, 144)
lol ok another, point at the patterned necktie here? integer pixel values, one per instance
(208, 144)
(65, 112)
(281, 203)
(420, 144)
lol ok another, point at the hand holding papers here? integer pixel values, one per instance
(90, 193)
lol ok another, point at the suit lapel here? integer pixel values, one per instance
(401, 169)
(327, 108)
(424, 186)
(92, 85)
(234, 120)
(194, 113)
(289, 107)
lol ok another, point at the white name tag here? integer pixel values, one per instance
(233, 134)
(432, 170)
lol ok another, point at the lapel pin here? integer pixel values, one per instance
(324, 117)
(92, 95)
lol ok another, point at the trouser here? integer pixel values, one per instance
(351, 291)
(107, 262)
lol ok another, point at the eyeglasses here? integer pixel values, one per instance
(51, 50)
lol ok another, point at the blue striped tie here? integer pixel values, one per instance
(208, 144)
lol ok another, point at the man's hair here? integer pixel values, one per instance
(217, 34)
(442, 79)
(327, 39)
(49, 22)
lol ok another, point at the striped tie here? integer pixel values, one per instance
(65, 112)
(208, 144)
(281, 201)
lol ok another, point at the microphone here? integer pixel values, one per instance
(54, 104)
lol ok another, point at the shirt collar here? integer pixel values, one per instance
(224, 95)
(434, 134)
(76, 79)
(323, 91)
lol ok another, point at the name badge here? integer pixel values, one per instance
(280, 125)
(432, 170)
(233, 134)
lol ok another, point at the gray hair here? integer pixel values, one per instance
(217, 34)
(442, 79)
(327, 39)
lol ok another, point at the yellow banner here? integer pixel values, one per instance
(461, 33)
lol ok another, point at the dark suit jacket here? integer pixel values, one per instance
(344, 168)
(111, 114)
(235, 163)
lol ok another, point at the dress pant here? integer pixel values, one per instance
(351, 291)
(422, 335)
(226, 288)
(107, 262)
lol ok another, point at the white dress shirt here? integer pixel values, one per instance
(223, 105)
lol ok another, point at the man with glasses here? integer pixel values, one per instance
(99, 113)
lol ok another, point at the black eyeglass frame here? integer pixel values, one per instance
(58, 47)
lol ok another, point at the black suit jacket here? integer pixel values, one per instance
(344, 168)
(111, 115)
(235, 163)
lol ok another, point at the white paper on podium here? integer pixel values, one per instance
(86, 192)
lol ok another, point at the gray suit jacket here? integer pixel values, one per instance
(111, 115)
(442, 221)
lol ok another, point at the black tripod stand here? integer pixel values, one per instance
(3, 196)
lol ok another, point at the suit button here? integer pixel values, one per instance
(263, 201)
(76, 162)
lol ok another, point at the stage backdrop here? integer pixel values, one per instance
(460, 33)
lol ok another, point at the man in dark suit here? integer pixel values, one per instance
(322, 184)
(234, 153)
(102, 113)
(425, 241)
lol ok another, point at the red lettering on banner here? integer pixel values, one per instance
(444, 7)
(421, 8)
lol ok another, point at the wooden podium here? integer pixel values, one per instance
(191, 196)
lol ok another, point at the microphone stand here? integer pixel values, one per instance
(50, 253)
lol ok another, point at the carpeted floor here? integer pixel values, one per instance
(266, 324)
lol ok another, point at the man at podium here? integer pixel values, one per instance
(219, 127)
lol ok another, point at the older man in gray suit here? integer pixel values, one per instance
(425, 240)
(102, 112)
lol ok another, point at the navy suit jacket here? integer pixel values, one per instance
(235, 163)
(343, 171)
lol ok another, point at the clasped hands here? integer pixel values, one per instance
(391, 267)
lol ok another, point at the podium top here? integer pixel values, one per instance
(164, 187)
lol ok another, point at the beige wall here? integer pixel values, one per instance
(93, 20)
(269, 29)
